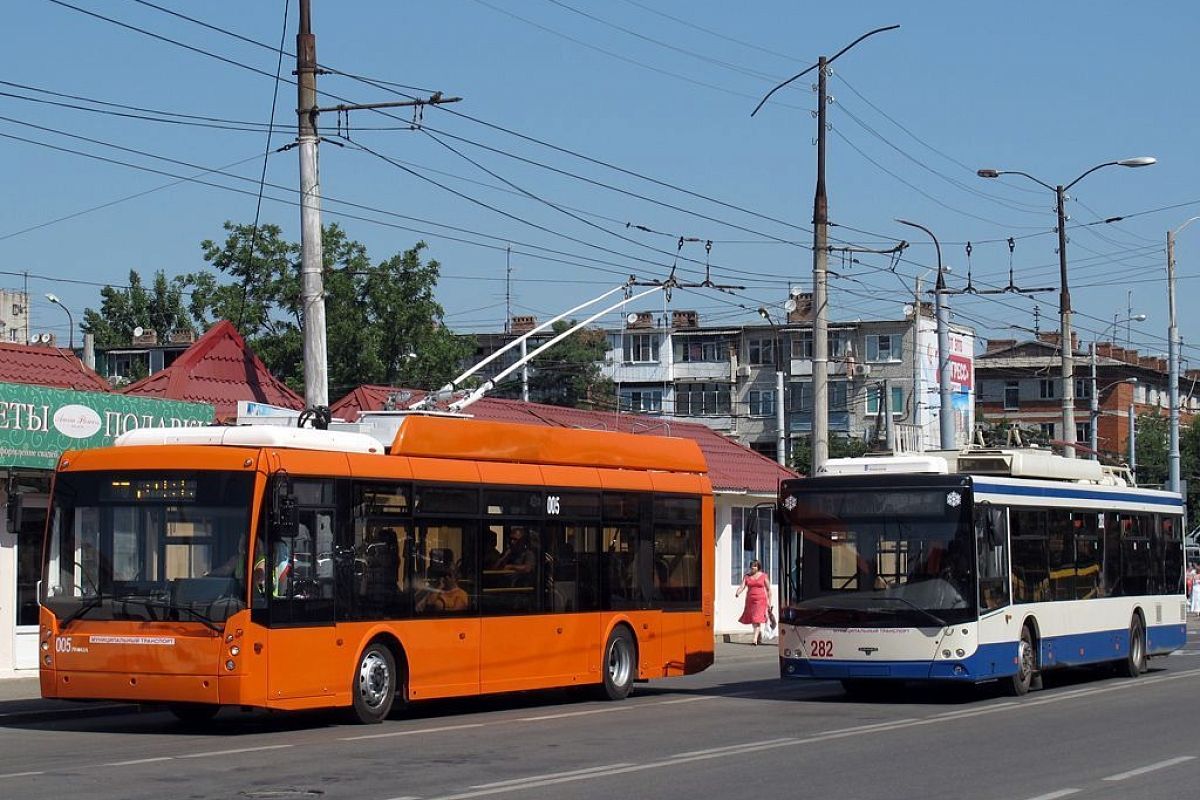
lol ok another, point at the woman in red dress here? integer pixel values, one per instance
(757, 587)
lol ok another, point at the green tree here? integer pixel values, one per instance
(839, 447)
(1151, 448)
(383, 324)
(568, 374)
(159, 308)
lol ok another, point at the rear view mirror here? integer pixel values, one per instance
(750, 538)
(285, 514)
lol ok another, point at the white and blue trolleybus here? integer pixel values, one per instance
(974, 566)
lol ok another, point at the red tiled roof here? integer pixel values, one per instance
(731, 467)
(48, 366)
(218, 369)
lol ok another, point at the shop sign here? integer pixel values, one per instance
(37, 423)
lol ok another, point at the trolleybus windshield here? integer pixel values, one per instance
(880, 557)
(148, 546)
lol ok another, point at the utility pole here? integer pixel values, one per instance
(1094, 414)
(918, 391)
(885, 407)
(820, 366)
(1068, 352)
(1172, 369)
(312, 289)
(942, 306)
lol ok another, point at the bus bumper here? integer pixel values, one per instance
(986, 663)
(141, 688)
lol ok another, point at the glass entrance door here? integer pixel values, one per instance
(31, 526)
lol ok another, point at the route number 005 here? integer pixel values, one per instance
(820, 648)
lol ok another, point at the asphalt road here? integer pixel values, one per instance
(733, 731)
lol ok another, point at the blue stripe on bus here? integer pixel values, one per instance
(1078, 494)
(991, 661)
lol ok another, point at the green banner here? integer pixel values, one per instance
(37, 423)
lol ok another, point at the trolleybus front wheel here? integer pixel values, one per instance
(1020, 683)
(375, 684)
(619, 664)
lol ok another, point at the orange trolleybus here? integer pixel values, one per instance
(292, 568)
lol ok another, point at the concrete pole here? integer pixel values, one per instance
(918, 391)
(780, 422)
(1094, 416)
(1172, 370)
(946, 410)
(1133, 440)
(820, 365)
(1064, 329)
(312, 289)
(889, 427)
(524, 372)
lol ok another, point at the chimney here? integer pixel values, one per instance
(685, 319)
(640, 319)
(147, 338)
(802, 307)
(182, 336)
(996, 345)
(523, 323)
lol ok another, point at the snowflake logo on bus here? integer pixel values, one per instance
(789, 502)
(954, 499)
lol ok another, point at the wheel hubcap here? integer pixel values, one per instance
(374, 680)
(1026, 661)
(1135, 647)
(619, 664)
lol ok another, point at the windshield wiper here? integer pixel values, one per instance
(149, 603)
(83, 609)
(928, 614)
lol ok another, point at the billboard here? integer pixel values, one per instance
(37, 423)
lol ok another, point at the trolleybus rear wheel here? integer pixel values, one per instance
(375, 684)
(1134, 663)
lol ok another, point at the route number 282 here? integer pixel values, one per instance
(820, 648)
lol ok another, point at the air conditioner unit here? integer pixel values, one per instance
(860, 370)
(743, 371)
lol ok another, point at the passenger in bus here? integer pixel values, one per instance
(444, 595)
(520, 558)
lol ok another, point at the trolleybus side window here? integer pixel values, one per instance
(676, 552)
(991, 537)
(1060, 545)
(1030, 559)
(1172, 542)
(1088, 577)
(299, 567)
(375, 557)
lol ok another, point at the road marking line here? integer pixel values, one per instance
(1054, 795)
(20, 774)
(698, 699)
(412, 732)
(531, 778)
(211, 753)
(589, 712)
(138, 761)
(1170, 762)
(727, 748)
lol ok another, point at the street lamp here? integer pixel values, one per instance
(1173, 362)
(1094, 416)
(1064, 298)
(946, 410)
(53, 298)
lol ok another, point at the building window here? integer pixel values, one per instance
(701, 399)
(1046, 388)
(1012, 395)
(839, 343)
(697, 349)
(1083, 431)
(762, 403)
(641, 348)
(761, 351)
(644, 400)
(1047, 429)
(837, 396)
(895, 402)
(1083, 388)
(802, 345)
(885, 348)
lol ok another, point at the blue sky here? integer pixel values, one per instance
(660, 89)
